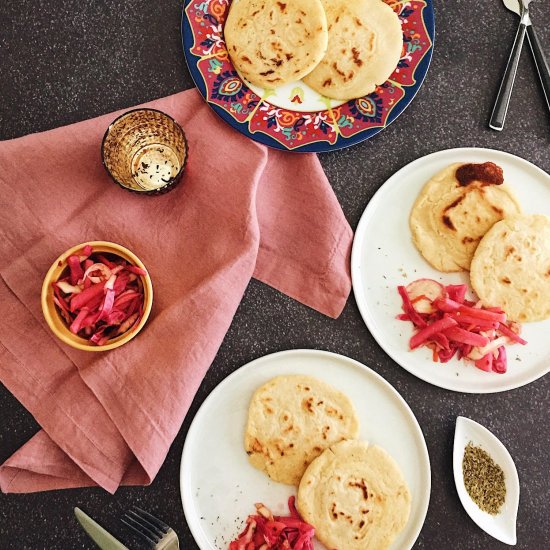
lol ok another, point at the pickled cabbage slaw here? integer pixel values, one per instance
(449, 324)
(99, 296)
(264, 531)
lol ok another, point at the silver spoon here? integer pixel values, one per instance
(538, 53)
(505, 92)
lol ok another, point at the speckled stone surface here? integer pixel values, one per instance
(69, 60)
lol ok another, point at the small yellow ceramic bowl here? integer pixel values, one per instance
(59, 326)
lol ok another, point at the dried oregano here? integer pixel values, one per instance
(483, 479)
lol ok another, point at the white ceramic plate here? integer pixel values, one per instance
(384, 257)
(218, 485)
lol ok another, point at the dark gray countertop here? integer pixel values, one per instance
(68, 60)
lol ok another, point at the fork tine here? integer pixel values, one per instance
(142, 531)
(152, 519)
(145, 523)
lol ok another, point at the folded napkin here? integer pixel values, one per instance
(241, 211)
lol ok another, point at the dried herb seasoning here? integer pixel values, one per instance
(483, 479)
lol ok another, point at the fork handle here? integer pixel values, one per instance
(505, 91)
(540, 61)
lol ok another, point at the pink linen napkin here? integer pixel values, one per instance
(241, 211)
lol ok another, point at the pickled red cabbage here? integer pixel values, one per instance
(99, 296)
(450, 325)
(264, 531)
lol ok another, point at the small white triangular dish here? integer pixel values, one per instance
(501, 526)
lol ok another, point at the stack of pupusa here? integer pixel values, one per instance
(342, 49)
(466, 218)
(302, 431)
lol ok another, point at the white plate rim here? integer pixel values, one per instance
(424, 498)
(356, 269)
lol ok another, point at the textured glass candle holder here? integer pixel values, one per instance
(145, 151)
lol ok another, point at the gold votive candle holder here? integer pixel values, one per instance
(145, 151)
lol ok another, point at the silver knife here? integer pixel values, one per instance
(100, 536)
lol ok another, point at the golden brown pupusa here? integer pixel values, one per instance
(291, 421)
(355, 496)
(273, 42)
(455, 209)
(365, 41)
(511, 267)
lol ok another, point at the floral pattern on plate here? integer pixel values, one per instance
(257, 113)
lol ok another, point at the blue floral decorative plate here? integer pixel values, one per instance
(293, 117)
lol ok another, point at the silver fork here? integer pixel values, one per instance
(151, 529)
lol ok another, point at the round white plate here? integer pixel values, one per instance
(218, 485)
(384, 257)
